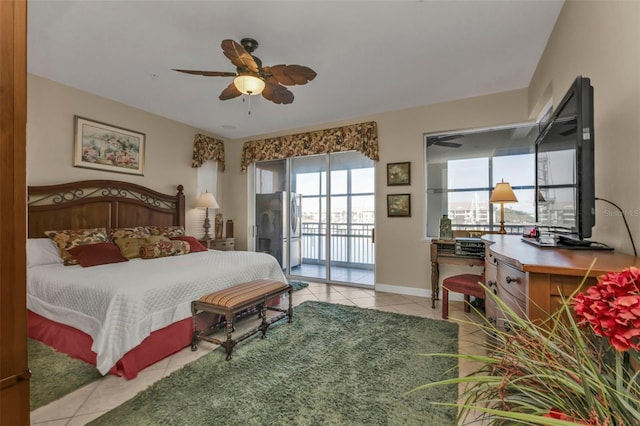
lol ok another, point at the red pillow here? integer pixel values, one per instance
(193, 242)
(97, 254)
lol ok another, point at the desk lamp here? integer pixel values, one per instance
(503, 193)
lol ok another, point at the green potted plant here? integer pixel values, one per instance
(579, 367)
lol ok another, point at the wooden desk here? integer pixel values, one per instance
(534, 280)
(443, 253)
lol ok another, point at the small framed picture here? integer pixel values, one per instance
(398, 205)
(105, 147)
(399, 173)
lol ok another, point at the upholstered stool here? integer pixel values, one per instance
(233, 300)
(466, 284)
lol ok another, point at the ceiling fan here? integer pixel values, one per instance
(251, 78)
(443, 140)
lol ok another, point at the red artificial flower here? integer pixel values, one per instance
(612, 308)
(554, 413)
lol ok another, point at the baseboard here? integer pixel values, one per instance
(413, 291)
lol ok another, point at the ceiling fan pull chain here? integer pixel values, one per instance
(249, 96)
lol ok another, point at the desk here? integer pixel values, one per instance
(443, 252)
(544, 276)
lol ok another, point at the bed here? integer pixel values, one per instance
(121, 317)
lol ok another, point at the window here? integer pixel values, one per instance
(462, 169)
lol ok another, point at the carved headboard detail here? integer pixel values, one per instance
(101, 203)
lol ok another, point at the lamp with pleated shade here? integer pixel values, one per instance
(207, 201)
(503, 193)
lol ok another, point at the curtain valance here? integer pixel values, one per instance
(362, 137)
(207, 148)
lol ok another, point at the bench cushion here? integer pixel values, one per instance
(242, 293)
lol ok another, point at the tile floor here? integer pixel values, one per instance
(91, 401)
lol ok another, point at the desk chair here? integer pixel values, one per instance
(466, 284)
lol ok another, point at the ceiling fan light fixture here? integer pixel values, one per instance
(249, 84)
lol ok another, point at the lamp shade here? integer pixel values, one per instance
(249, 84)
(207, 200)
(503, 193)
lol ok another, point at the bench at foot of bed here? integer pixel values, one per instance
(231, 301)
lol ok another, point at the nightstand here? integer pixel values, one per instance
(223, 244)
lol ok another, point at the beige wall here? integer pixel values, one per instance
(402, 251)
(50, 142)
(601, 40)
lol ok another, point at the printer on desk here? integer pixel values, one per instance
(472, 247)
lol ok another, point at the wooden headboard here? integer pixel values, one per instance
(101, 203)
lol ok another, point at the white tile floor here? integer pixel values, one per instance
(91, 401)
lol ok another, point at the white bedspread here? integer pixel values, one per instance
(120, 304)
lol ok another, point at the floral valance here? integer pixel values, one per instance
(362, 137)
(207, 148)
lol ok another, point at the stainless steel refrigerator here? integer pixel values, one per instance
(279, 222)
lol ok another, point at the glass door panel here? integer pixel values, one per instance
(309, 201)
(271, 208)
(352, 212)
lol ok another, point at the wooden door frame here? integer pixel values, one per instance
(14, 372)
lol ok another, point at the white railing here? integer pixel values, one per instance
(350, 244)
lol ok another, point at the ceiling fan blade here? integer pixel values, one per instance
(230, 92)
(448, 144)
(290, 75)
(209, 73)
(238, 56)
(277, 94)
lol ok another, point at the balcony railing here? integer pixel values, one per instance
(350, 244)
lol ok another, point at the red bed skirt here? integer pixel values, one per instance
(77, 344)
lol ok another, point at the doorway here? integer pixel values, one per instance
(318, 225)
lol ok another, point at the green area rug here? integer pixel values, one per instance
(334, 365)
(54, 374)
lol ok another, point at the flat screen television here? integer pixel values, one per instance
(564, 157)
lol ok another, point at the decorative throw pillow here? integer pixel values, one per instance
(156, 238)
(163, 248)
(167, 231)
(42, 251)
(196, 245)
(97, 254)
(135, 232)
(130, 246)
(70, 238)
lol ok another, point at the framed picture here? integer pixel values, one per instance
(105, 147)
(399, 173)
(398, 205)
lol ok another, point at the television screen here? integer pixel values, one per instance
(564, 166)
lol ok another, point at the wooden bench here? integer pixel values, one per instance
(233, 300)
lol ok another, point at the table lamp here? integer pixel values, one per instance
(503, 193)
(207, 201)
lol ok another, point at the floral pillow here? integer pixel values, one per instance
(135, 232)
(70, 238)
(163, 248)
(196, 245)
(130, 246)
(167, 231)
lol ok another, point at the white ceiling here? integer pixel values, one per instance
(370, 56)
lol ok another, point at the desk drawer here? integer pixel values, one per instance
(565, 285)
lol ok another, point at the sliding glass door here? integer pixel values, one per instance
(351, 218)
(327, 218)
